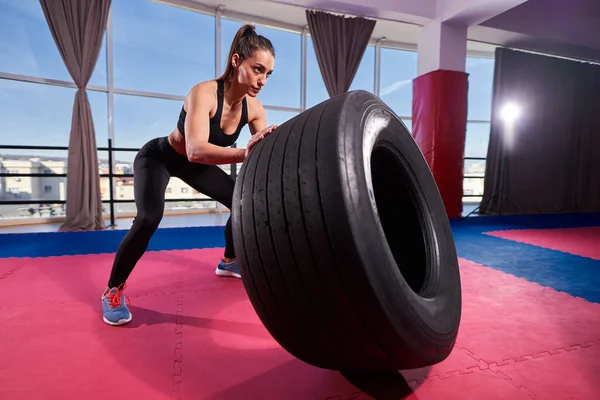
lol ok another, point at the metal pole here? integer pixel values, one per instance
(303, 69)
(377, 71)
(218, 14)
(110, 183)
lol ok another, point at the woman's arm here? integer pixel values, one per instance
(259, 122)
(258, 125)
(198, 149)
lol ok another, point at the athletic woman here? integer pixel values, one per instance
(213, 114)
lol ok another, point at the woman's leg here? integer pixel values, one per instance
(215, 183)
(151, 178)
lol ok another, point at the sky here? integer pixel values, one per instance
(164, 49)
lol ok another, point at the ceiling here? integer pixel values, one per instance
(563, 27)
(399, 30)
(567, 27)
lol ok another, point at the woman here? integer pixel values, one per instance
(213, 114)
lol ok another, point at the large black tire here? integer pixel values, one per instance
(344, 244)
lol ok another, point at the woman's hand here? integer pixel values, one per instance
(258, 136)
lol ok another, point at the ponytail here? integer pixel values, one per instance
(244, 44)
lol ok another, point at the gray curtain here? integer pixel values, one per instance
(77, 27)
(547, 161)
(339, 43)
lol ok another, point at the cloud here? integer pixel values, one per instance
(395, 87)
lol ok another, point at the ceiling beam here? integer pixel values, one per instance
(473, 12)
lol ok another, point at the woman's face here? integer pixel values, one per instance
(253, 72)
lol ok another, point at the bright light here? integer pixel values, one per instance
(510, 112)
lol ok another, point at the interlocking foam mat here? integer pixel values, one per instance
(553, 250)
(195, 336)
(530, 325)
(584, 242)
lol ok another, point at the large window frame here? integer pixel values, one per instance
(218, 13)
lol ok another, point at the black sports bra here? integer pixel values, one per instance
(216, 135)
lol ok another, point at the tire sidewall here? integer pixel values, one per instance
(433, 320)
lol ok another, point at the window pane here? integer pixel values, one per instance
(478, 135)
(474, 168)
(276, 117)
(176, 189)
(316, 92)
(161, 48)
(46, 189)
(242, 141)
(473, 186)
(139, 119)
(472, 189)
(273, 118)
(408, 123)
(100, 75)
(398, 69)
(99, 105)
(40, 115)
(283, 87)
(364, 79)
(26, 44)
(481, 81)
(34, 188)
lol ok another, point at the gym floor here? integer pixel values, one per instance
(530, 326)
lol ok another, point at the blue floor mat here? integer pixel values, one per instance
(95, 242)
(578, 276)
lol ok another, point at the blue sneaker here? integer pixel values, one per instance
(228, 269)
(114, 308)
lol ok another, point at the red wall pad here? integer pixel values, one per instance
(439, 127)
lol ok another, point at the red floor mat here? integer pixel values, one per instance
(195, 336)
(579, 241)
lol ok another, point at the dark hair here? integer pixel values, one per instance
(245, 43)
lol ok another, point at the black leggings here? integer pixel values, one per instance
(154, 165)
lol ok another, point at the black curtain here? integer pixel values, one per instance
(339, 43)
(77, 28)
(547, 160)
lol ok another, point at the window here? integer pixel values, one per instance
(26, 42)
(36, 114)
(481, 80)
(474, 168)
(478, 135)
(476, 145)
(33, 188)
(161, 48)
(279, 117)
(139, 119)
(284, 86)
(408, 123)
(99, 105)
(274, 117)
(160, 51)
(316, 92)
(364, 79)
(28, 47)
(398, 69)
(40, 114)
(100, 74)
